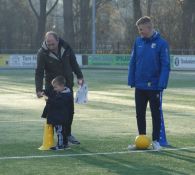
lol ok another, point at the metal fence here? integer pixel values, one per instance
(101, 48)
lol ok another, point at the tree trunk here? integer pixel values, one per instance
(187, 23)
(137, 13)
(68, 22)
(185, 38)
(41, 19)
(41, 23)
(149, 5)
(85, 32)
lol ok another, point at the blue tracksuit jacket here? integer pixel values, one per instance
(149, 64)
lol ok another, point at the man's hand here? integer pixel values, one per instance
(40, 94)
(80, 82)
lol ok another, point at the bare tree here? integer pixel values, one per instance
(85, 21)
(149, 5)
(41, 19)
(16, 31)
(68, 21)
(100, 3)
(188, 13)
(85, 27)
(137, 13)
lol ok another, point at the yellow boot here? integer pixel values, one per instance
(48, 137)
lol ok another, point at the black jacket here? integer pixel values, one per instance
(59, 107)
(50, 66)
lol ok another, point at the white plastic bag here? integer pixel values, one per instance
(82, 94)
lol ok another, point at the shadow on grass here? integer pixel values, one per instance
(125, 164)
(121, 164)
(177, 155)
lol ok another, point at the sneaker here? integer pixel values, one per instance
(56, 148)
(66, 146)
(156, 146)
(131, 147)
(73, 140)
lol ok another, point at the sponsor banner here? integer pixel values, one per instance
(4, 60)
(24, 60)
(183, 62)
(79, 59)
(108, 60)
(18, 61)
(178, 62)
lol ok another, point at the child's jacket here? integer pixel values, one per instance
(59, 107)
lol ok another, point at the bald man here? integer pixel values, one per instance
(56, 58)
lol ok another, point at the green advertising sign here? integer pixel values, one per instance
(118, 60)
(108, 60)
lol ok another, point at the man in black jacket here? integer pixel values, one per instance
(56, 58)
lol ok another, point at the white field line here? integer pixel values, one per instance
(92, 154)
(20, 121)
(76, 119)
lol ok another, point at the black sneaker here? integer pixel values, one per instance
(66, 147)
(63, 147)
(73, 140)
(56, 148)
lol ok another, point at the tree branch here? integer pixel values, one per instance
(49, 11)
(101, 3)
(33, 9)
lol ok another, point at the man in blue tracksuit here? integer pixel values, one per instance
(149, 73)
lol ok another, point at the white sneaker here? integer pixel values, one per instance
(156, 146)
(131, 147)
(73, 140)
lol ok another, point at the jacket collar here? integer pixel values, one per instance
(51, 54)
(66, 90)
(154, 36)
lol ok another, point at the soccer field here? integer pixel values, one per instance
(105, 126)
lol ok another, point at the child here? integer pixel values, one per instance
(58, 109)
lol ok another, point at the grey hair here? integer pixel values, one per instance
(54, 34)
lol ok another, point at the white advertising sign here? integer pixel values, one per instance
(79, 59)
(29, 60)
(18, 60)
(184, 62)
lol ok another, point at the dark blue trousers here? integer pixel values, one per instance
(142, 97)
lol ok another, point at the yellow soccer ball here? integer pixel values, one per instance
(142, 142)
